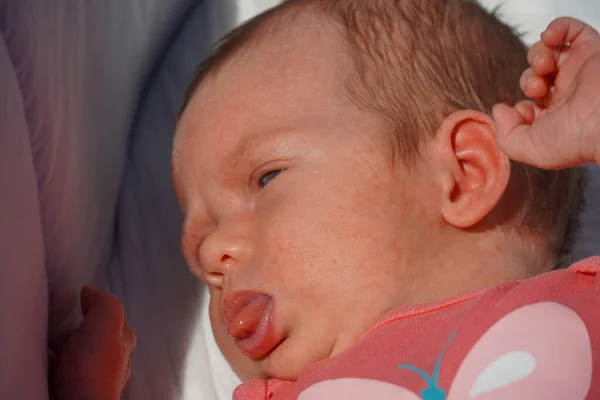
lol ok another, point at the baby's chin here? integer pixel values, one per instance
(289, 359)
(248, 370)
(285, 362)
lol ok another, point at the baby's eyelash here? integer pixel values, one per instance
(268, 177)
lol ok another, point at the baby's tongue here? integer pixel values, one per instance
(245, 322)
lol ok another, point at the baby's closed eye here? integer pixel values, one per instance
(268, 177)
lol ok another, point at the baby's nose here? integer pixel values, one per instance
(226, 248)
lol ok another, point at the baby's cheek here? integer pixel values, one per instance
(244, 367)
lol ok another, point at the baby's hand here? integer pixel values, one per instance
(562, 129)
(94, 363)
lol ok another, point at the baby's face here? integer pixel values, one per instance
(294, 215)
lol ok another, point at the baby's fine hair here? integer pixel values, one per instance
(416, 62)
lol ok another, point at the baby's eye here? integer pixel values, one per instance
(268, 177)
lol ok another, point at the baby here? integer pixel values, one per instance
(353, 207)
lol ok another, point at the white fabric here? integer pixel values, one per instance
(70, 78)
(80, 67)
(22, 275)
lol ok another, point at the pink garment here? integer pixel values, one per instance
(533, 339)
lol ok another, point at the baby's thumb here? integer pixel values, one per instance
(103, 314)
(512, 134)
(521, 141)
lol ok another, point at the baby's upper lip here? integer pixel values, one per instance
(235, 302)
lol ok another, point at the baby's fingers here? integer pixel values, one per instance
(542, 59)
(567, 30)
(542, 144)
(534, 86)
(128, 340)
(104, 317)
(508, 118)
(528, 111)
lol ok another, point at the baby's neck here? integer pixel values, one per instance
(478, 261)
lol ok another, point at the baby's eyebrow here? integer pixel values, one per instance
(243, 145)
(233, 156)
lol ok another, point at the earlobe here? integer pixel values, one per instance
(475, 169)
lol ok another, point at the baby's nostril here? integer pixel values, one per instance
(225, 258)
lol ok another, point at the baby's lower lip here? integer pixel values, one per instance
(263, 340)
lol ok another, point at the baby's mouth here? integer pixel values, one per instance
(246, 320)
(249, 319)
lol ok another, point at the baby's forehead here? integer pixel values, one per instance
(293, 68)
(294, 35)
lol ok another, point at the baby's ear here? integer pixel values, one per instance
(474, 173)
